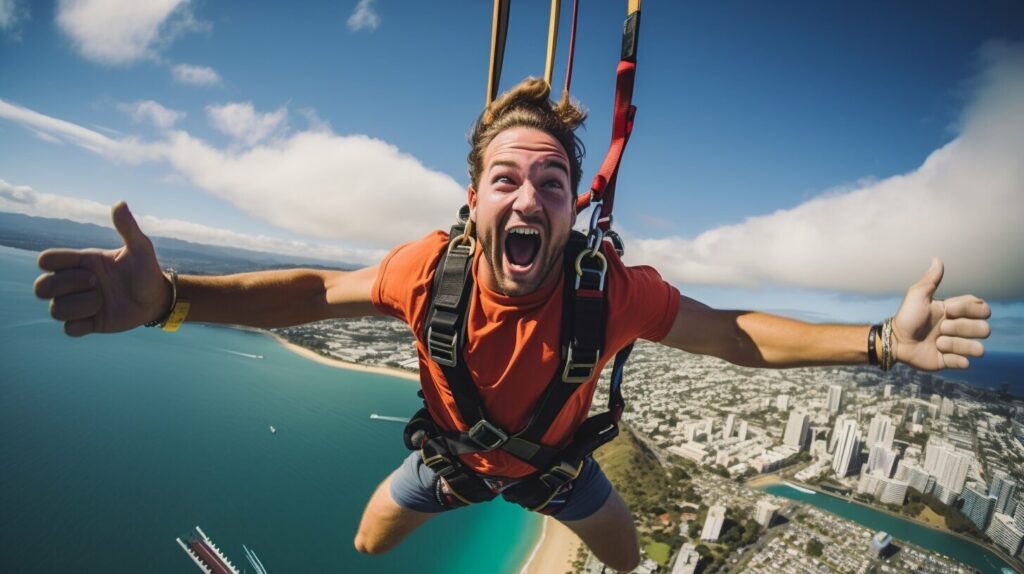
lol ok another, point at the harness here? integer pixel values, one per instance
(581, 341)
(582, 331)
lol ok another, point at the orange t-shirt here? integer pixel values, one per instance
(512, 345)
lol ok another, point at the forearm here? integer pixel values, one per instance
(764, 340)
(261, 299)
(756, 339)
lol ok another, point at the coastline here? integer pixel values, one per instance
(338, 363)
(555, 549)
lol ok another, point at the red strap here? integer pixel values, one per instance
(603, 187)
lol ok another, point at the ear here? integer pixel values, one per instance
(471, 200)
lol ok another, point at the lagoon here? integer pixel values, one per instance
(969, 553)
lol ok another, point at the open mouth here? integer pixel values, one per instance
(521, 246)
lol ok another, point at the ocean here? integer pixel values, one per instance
(993, 371)
(113, 445)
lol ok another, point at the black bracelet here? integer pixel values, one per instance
(174, 299)
(872, 338)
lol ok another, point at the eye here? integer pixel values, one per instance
(554, 183)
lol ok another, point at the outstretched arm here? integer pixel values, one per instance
(107, 291)
(928, 334)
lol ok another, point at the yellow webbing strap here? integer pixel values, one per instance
(499, 32)
(549, 64)
(634, 5)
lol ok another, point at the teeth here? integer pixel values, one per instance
(524, 231)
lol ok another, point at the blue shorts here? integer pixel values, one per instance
(415, 487)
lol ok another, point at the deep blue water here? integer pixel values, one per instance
(113, 445)
(992, 370)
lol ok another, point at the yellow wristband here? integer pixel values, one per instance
(177, 316)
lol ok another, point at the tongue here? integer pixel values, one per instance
(521, 249)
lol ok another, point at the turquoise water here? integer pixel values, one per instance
(966, 552)
(113, 445)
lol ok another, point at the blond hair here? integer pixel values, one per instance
(528, 104)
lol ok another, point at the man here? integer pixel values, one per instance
(524, 171)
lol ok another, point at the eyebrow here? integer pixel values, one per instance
(551, 163)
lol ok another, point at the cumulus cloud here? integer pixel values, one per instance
(153, 112)
(12, 14)
(315, 182)
(121, 32)
(23, 199)
(241, 121)
(964, 204)
(195, 75)
(364, 17)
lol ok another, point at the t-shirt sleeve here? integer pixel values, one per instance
(641, 305)
(404, 276)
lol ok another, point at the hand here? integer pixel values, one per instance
(105, 291)
(931, 334)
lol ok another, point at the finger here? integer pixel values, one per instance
(76, 305)
(60, 283)
(57, 259)
(959, 346)
(79, 327)
(128, 228)
(967, 306)
(955, 361)
(929, 282)
(972, 328)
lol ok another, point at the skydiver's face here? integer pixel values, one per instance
(524, 211)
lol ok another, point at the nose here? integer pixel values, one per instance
(527, 199)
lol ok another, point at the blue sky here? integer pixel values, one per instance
(804, 157)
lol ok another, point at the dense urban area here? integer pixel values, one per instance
(704, 438)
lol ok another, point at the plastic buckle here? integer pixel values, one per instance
(558, 476)
(570, 366)
(496, 439)
(443, 349)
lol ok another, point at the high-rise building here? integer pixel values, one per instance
(916, 477)
(837, 430)
(847, 455)
(742, 434)
(887, 391)
(764, 514)
(730, 422)
(1018, 516)
(1004, 490)
(881, 430)
(1005, 534)
(978, 506)
(882, 460)
(782, 402)
(949, 467)
(835, 398)
(687, 560)
(947, 408)
(713, 524)
(797, 429)
(709, 426)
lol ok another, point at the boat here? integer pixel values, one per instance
(272, 429)
(797, 488)
(377, 417)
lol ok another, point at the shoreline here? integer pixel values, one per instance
(554, 551)
(338, 363)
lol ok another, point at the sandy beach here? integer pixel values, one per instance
(766, 480)
(555, 550)
(339, 364)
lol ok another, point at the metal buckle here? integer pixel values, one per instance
(436, 344)
(600, 272)
(485, 427)
(571, 365)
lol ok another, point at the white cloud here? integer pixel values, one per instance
(122, 32)
(364, 17)
(241, 121)
(150, 111)
(963, 204)
(317, 183)
(23, 199)
(12, 14)
(195, 75)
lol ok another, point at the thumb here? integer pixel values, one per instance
(929, 282)
(128, 229)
